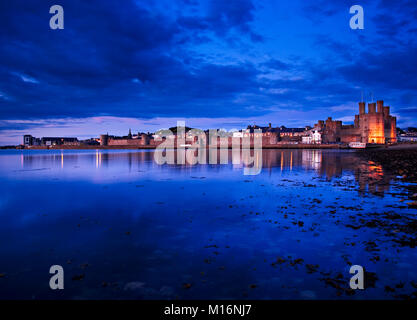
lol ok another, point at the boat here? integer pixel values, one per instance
(357, 145)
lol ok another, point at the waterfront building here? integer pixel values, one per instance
(313, 137)
(29, 140)
(407, 138)
(58, 141)
(376, 127)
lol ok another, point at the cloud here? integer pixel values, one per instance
(87, 68)
(276, 65)
(25, 78)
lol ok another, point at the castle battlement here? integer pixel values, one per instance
(375, 126)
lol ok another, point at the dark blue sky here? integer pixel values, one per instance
(144, 64)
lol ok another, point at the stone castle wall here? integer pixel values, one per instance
(376, 126)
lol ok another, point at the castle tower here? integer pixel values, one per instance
(380, 105)
(374, 127)
(393, 135)
(386, 113)
(144, 139)
(371, 107)
(104, 140)
(390, 125)
(356, 123)
(361, 107)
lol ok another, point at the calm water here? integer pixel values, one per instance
(123, 226)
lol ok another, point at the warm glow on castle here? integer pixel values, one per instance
(376, 126)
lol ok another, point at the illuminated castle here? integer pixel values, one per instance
(376, 126)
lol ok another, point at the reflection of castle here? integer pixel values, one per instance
(327, 164)
(369, 176)
(376, 126)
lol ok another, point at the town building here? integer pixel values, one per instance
(59, 141)
(407, 138)
(313, 137)
(29, 140)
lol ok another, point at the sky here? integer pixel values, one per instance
(144, 65)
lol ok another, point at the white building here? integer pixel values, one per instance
(307, 139)
(407, 138)
(314, 137)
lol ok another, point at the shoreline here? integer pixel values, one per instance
(399, 160)
(152, 147)
(397, 147)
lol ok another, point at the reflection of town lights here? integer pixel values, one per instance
(62, 160)
(375, 170)
(291, 162)
(282, 160)
(98, 159)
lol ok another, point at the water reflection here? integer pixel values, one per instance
(327, 164)
(155, 227)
